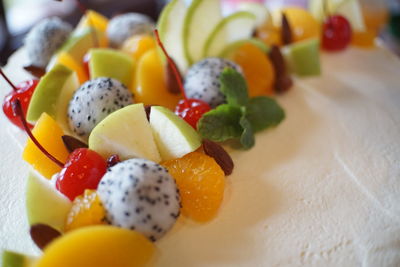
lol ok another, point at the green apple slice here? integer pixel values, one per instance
(127, 133)
(52, 95)
(44, 204)
(14, 259)
(263, 16)
(227, 51)
(303, 57)
(170, 27)
(237, 26)
(112, 64)
(174, 137)
(200, 21)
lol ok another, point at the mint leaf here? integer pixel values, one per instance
(263, 112)
(221, 123)
(247, 138)
(234, 87)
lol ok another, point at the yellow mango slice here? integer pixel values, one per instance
(138, 45)
(98, 246)
(68, 61)
(150, 84)
(94, 19)
(49, 134)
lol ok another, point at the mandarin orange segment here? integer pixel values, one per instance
(150, 85)
(201, 184)
(270, 35)
(49, 134)
(138, 45)
(363, 39)
(86, 210)
(258, 69)
(68, 61)
(303, 24)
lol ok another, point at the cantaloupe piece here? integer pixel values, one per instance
(49, 134)
(98, 246)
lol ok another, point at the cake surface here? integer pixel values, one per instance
(322, 189)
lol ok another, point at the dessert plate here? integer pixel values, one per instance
(322, 189)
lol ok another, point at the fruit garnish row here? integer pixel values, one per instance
(125, 121)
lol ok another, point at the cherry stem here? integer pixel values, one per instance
(8, 80)
(17, 109)
(173, 66)
(84, 10)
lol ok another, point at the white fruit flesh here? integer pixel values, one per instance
(174, 137)
(127, 133)
(263, 16)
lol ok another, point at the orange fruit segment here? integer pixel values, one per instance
(270, 35)
(95, 20)
(68, 61)
(86, 210)
(363, 39)
(49, 134)
(257, 68)
(150, 85)
(137, 45)
(303, 24)
(201, 184)
(98, 246)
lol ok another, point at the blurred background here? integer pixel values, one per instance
(18, 16)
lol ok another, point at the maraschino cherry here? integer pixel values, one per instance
(83, 169)
(23, 92)
(336, 34)
(191, 110)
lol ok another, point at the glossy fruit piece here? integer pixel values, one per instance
(257, 68)
(65, 59)
(150, 84)
(49, 135)
(138, 45)
(83, 170)
(98, 246)
(14, 259)
(201, 184)
(191, 110)
(303, 24)
(93, 19)
(86, 210)
(363, 39)
(270, 35)
(24, 93)
(336, 33)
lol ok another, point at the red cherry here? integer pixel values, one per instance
(23, 92)
(191, 110)
(83, 170)
(336, 33)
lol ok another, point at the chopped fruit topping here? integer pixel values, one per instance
(150, 84)
(201, 184)
(49, 135)
(83, 170)
(138, 45)
(336, 33)
(68, 61)
(193, 112)
(113, 160)
(302, 23)
(363, 39)
(43, 234)
(72, 143)
(98, 246)
(23, 92)
(93, 19)
(269, 35)
(258, 69)
(219, 154)
(86, 210)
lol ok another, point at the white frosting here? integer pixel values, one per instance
(322, 189)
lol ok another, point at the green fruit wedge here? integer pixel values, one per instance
(14, 259)
(263, 16)
(44, 204)
(227, 51)
(111, 63)
(200, 21)
(52, 95)
(170, 28)
(237, 26)
(174, 136)
(127, 133)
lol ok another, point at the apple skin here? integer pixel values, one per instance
(44, 204)
(127, 133)
(112, 64)
(14, 259)
(174, 136)
(304, 57)
(53, 94)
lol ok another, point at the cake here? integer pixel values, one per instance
(321, 189)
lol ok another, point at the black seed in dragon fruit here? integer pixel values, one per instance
(121, 27)
(202, 80)
(140, 195)
(44, 39)
(93, 101)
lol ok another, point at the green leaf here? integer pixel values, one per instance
(264, 112)
(221, 124)
(234, 87)
(247, 138)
